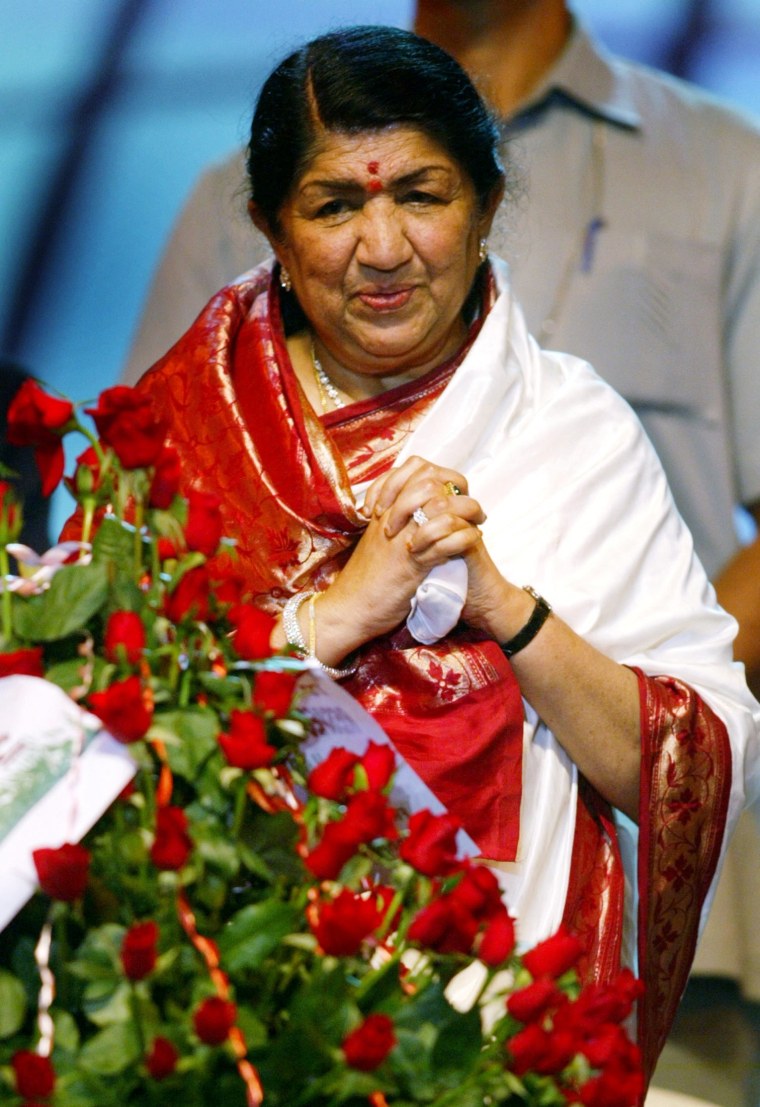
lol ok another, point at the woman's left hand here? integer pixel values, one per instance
(447, 516)
(451, 530)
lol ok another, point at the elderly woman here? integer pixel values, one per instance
(407, 475)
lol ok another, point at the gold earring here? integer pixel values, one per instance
(285, 281)
(482, 250)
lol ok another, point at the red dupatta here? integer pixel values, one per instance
(245, 431)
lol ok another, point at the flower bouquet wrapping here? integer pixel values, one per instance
(241, 926)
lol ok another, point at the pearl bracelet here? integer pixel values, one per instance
(295, 638)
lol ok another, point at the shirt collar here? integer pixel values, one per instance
(588, 76)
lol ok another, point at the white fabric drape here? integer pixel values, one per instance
(579, 507)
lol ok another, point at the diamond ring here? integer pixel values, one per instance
(419, 517)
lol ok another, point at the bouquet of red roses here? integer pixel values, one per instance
(238, 926)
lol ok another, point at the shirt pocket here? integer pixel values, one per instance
(648, 317)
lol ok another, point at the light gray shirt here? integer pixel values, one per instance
(635, 244)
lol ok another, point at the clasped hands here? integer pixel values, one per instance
(373, 592)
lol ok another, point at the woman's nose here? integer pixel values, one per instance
(383, 243)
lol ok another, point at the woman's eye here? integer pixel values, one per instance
(417, 196)
(332, 208)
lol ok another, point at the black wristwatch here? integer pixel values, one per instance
(539, 615)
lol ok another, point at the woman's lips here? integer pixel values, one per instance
(389, 300)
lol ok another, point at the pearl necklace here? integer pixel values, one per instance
(325, 385)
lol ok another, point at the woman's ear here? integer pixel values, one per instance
(490, 209)
(261, 224)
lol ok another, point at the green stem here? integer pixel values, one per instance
(240, 806)
(139, 519)
(88, 508)
(137, 1021)
(7, 616)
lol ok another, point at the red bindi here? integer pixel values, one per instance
(374, 184)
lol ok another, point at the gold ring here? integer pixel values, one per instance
(452, 489)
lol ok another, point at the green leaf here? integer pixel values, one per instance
(12, 1004)
(196, 730)
(254, 933)
(114, 541)
(458, 1045)
(69, 674)
(112, 1050)
(76, 593)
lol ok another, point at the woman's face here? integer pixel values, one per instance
(380, 237)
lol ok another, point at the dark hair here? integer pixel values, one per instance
(365, 79)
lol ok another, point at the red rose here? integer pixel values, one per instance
(190, 598)
(531, 1003)
(479, 892)
(87, 475)
(341, 925)
(11, 518)
(126, 422)
(124, 637)
(367, 1047)
(332, 777)
(603, 1003)
(35, 1075)
(535, 1049)
(172, 844)
(331, 853)
(166, 477)
(444, 925)
(379, 763)
(22, 663)
(273, 692)
(431, 846)
(162, 1059)
(498, 939)
(39, 420)
(63, 871)
(213, 1019)
(166, 550)
(369, 816)
(121, 708)
(138, 950)
(245, 745)
(555, 955)
(617, 1086)
(203, 529)
(253, 630)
